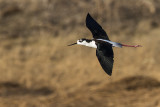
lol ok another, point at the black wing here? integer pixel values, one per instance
(105, 56)
(95, 28)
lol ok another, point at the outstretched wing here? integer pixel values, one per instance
(95, 28)
(105, 56)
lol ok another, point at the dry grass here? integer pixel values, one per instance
(38, 69)
(48, 73)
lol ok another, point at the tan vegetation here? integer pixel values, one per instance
(38, 69)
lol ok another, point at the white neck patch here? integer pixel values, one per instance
(89, 44)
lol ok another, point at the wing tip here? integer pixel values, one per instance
(88, 14)
(88, 17)
(110, 73)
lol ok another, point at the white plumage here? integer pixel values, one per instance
(91, 44)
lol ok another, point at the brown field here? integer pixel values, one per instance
(39, 70)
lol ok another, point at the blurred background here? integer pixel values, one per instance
(37, 69)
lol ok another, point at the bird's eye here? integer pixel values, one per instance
(80, 40)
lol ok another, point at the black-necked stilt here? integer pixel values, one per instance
(101, 41)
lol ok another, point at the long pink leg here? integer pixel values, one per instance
(132, 45)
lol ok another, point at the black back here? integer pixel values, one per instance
(95, 28)
(104, 51)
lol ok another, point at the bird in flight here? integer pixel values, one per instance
(101, 42)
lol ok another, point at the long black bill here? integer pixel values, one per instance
(72, 44)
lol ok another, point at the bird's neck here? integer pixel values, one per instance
(91, 44)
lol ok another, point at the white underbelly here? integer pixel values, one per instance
(91, 44)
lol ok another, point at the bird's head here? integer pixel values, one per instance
(82, 41)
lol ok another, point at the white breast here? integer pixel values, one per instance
(89, 44)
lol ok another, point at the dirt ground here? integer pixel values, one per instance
(38, 69)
